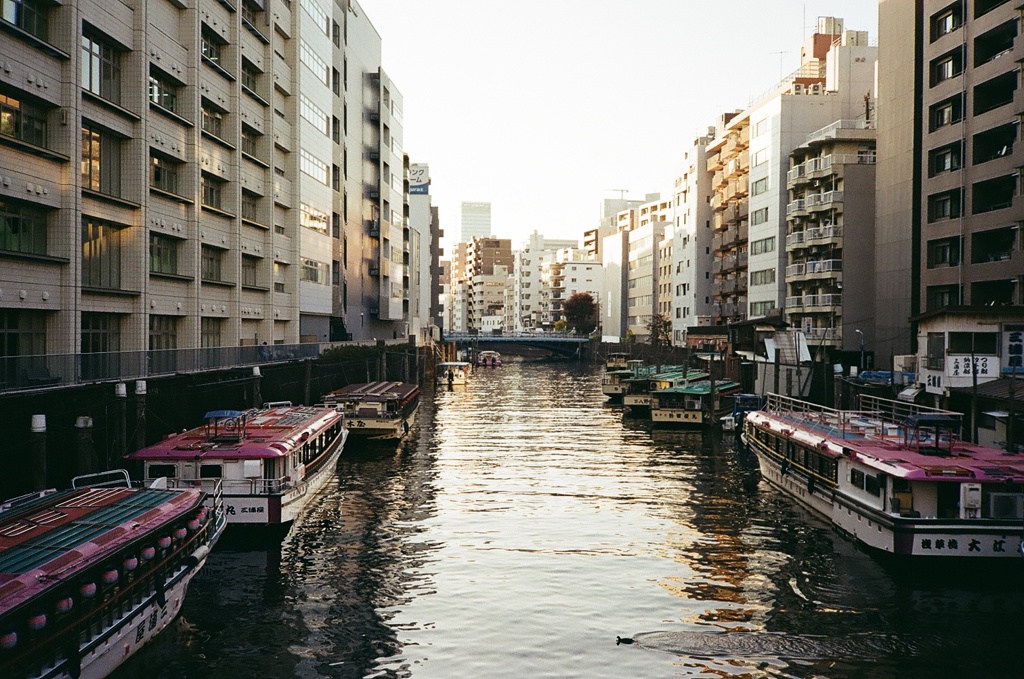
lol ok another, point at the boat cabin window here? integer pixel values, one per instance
(158, 470)
(867, 482)
(210, 471)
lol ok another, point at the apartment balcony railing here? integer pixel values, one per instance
(814, 267)
(823, 201)
(832, 131)
(831, 335)
(797, 206)
(806, 301)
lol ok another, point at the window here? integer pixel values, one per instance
(163, 91)
(309, 57)
(22, 120)
(939, 296)
(994, 93)
(315, 115)
(994, 194)
(250, 207)
(336, 82)
(336, 33)
(947, 21)
(973, 343)
(947, 66)
(945, 205)
(250, 141)
(211, 263)
(759, 158)
(759, 187)
(760, 127)
(22, 332)
(759, 216)
(28, 15)
(250, 267)
(762, 277)
(946, 112)
(944, 252)
(315, 272)
(163, 174)
(210, 45)
(250, 76)
(945, 159)
(163, 332)
(311, 218)
(213, 120)
(761, 308)
(762, 246)
(101, 67)
(213, 194)
(314, 167)
(101, 161)
(319, 16)
(22, 228)
(163, 254)
(100, 332)
(210, 332)
(994, 143)
(101, 254)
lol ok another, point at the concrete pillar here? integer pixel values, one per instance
(85, 461)
(120, 437)
(257, 394)
(140, 414)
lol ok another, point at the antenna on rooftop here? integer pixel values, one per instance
(622, 193)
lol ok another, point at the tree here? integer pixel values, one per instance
(660, 331)
(580, 312)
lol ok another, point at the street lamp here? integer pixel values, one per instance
(861, 348)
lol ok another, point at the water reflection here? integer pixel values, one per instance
(526, 524)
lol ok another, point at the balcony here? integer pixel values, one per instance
(795, 240)
(823, 201)
(796, 208)
(841, 129)
(828, 301)
(796, 174)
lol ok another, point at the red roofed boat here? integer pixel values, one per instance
(90, 575)
(270, 461)
(895, 476)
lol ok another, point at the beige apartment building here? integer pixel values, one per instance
(195, 175)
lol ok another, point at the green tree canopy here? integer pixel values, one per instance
(580, 312)
(660, 331)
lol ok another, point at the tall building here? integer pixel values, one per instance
(751, 158)
(568, 273)
(954, 124)
(692, 258)
(642, 264)
(424, 256)
(529, 260)
(476, 221)
(206, 174)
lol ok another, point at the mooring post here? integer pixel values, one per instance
(120, 438)
(39, 452)
(140, 414)
(257, 395)
(86, 457)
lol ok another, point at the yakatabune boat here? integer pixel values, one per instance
(270, 460)
(895, 476)
(380, 411)
(89, 576)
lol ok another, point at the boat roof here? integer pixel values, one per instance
(896, 442)
(48, 539)
(270, 432)
(699, 388)
(373, 391)
(455, 363)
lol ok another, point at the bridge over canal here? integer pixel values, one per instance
(562, 345)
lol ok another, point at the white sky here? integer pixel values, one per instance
(542, 107)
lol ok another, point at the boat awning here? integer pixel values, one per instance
(909, 394)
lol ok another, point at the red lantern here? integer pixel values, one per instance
(194, 525)
(65, 604)
(164, 541)
(37, 622)
(8, 640)
(130, 564)
(88, 590)
(180, 533)
(148, 552)
(110, 576)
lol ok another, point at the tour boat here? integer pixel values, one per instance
(614, 383)
(616, 361)
(637, 396)
(893, 475)
(741, 405)
(697, 404)
(488, 358)
(88, 576)
(270, 460)
(453, 372)
(379, 411)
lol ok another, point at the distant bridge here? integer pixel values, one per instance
(563, 345)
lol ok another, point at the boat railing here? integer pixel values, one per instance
(875, 418)
(113, 478)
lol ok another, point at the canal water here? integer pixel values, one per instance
(527, 524)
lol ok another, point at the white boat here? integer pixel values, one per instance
(378, 411)
(488, 359)
(453, 372)
(89, 576)
(893, 475)
(698, 404)
(270, 460)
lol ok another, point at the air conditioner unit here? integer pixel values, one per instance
(798, 88)
(816, 88)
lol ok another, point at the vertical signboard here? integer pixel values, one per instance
(419, 179)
